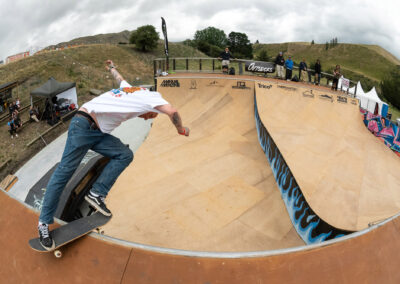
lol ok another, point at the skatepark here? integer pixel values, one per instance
(278, 182)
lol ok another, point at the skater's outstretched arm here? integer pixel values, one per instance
(175, 118)
(112, 68)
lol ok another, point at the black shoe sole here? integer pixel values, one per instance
(97, 207)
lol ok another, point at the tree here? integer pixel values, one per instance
(145, 38)
(390, 87)
(240, 45)
(263, 55)
(326, 46)
(312, 42)
(212, 36)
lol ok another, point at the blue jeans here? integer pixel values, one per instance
(80, 139)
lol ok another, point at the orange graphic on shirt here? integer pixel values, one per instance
(131, 89)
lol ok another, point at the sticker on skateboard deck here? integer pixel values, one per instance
(72, 231)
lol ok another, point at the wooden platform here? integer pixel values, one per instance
(212, 191)
(7, 183)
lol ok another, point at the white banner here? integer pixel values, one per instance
(345, 83)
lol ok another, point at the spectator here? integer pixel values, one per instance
(289, 68)
(18, 104)
(225, 56)
(303, 71)
(279, 62)
(336, 76)
(12, 129)
(1, 104)
(33, 114)
(16, 119)
(11, 108)
(317, 68)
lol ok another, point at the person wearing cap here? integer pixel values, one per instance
(279, 62)
(90, 129)
(289, 67)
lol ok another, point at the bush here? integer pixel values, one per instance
(145, 38)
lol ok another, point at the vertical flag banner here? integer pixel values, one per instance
(164, 29)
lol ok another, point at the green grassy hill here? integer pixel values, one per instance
(366, 63)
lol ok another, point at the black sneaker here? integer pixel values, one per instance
(98, 203)
(45, 238)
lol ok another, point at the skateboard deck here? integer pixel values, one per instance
(72, 231)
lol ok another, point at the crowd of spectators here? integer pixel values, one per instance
(305, 73)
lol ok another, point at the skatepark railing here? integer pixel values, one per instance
(213, 65)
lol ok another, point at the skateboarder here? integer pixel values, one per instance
(90, 128)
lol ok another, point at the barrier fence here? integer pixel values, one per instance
(241, 67)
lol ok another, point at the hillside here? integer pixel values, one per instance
(359, 62)
(83, 65)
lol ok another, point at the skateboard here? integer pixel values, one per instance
(72, 231)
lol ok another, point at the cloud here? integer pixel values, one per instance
(25, 24)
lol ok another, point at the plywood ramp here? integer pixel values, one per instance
(211, 191)
(348, 177)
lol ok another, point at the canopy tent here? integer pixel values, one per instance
(371, 101)
(52, 88)
(60, 98)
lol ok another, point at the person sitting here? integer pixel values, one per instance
(225, 56)
(18, 104)
(32, 114)
(12, 129)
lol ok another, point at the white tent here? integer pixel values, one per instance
(371, 101)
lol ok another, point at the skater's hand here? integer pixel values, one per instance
(185, 131)
(109, 65)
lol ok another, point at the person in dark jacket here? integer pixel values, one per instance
(225, 56)
(336, 76)
(280, 63)
(317, 68)
(303, 71)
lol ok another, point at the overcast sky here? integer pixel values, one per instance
(28, 23)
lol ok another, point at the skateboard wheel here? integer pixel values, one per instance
(58, 253)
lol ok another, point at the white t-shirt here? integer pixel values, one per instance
(115, 106)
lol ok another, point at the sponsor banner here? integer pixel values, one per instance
(345, 83)
(260, 66)
(264, 86)
(193, 85)
(287, 88)
(164, 29)
(308, 94)
(342, 100)
(170, 83)
(214, 83)
(240, 85)
(326, 97)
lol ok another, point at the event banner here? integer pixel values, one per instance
(164, 29)
(260, 66)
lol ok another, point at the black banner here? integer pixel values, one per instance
(260, 66)
(164, 30)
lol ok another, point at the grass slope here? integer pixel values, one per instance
(372, 62)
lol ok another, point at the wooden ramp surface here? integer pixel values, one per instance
(348, 176)
(212, 191)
